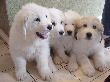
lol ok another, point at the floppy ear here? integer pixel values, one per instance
(25, 27)
(101, 28)
(77, 26)
(24, 32)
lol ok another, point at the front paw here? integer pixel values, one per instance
(53, 68)
(46, 74)
(89, 71)
(101, 67)
(57, 60)
(22, 75)
(72, 67)
(65, 59)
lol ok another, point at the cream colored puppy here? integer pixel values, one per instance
(29, 39)
(89, 42)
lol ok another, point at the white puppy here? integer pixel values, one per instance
(29, 40)
(58, 30)
(66, 42)
(89, 42)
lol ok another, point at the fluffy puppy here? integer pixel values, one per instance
(66, 41)
(89, 42)
(29, 40)
(57, 18)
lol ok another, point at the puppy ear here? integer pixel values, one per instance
(24, 32)
(101, 28)
(25, 27)
(77, 26)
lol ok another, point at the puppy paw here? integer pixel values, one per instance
(53, 68)
(22, 76)
(46, 75)
(72, 67)
(90, 72)
(101, 67)
(65, 59)
(57, 60)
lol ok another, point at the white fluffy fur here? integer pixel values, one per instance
(58, 19)
(25, 45)
(93, 47)
(66, 41)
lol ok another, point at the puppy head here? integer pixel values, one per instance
(89, 28)
(35, 20)
(70, 17)
(57, 18)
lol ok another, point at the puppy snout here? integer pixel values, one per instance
(49, 27)
(61, 32)
(69, 32)
(88, 35)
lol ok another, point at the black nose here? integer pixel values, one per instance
(49, 27)
(69, 32)
(88, 35)
(61, 32)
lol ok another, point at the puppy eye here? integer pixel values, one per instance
(65, 24)
(37, 19)
(94, 27)
(61, 22)
(73, 24)
(46, 16)
(53, 23)
(85, 25)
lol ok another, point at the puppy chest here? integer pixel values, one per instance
(67, 43)
(34, 51)
(83, 48)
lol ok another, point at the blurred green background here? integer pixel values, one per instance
(83, 7)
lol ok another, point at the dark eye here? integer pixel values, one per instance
(53, 23)
(65, 24)
(85, 25)
(61, 22)
(94, 27)
(37, 19)
(72, 24)
(46, 16)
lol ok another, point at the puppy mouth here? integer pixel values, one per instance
(43, 36)
(88, 38)
(69, 34)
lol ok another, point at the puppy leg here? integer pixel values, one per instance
(99, 61)
(51, 65)
(43, 68)
(20, 68)
(57, 60)
(72, 65)
(86, 66)
(42, 63)
(62, 55)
